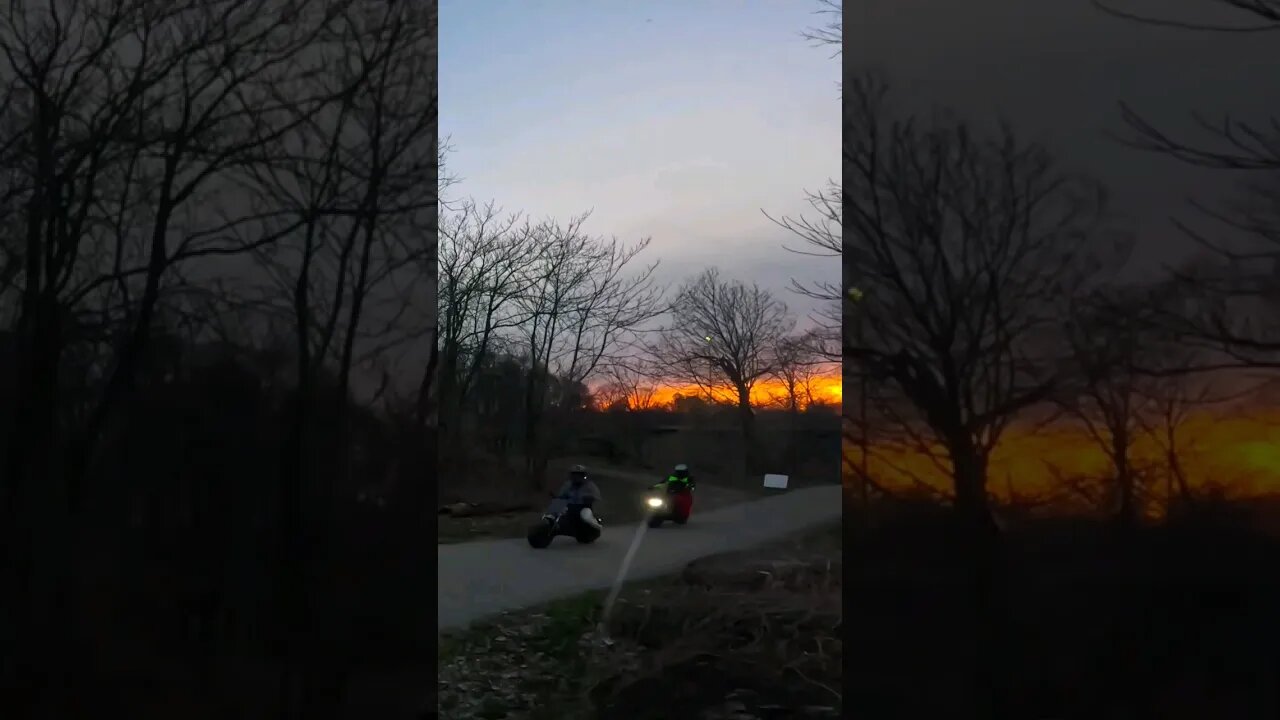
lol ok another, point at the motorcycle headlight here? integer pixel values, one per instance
(655, 502)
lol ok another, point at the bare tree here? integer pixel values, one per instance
(583, 306)
(798, 365)
(1237, 302)
(131, 116)
(822, 237)
(724, 334)
(1260, 16)
(795, 365)
(358, 183)
(426, 405)
(150, 108)
(358, 179)
(1171, 400)
(484, 274)
(1108, 394)
(820, 234)
(627, 387)
(831, 32)
(1227, 296)
(965, 249)
(1187, 371)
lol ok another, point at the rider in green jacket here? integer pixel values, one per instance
(679, 486)
(679, 479)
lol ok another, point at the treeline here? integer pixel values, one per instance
(984, 289)
(217, 264)
(541, 318)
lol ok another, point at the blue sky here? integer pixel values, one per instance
(677, 120)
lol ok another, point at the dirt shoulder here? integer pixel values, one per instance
(741, 635)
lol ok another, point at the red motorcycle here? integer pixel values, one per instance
(669, 502)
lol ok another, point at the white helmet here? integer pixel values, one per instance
(682, 468)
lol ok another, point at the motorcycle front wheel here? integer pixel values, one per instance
(539, 536)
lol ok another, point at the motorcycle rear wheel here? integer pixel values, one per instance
(586, 536)
(539, 536)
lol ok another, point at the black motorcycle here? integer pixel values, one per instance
(561, 518)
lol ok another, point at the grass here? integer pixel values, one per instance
(713, 637)
(528, 664)
(567, 620)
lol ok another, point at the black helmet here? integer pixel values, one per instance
(577, 473)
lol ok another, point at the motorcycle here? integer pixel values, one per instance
(558, 519)
(664, 503)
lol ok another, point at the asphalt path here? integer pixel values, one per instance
(485, 578)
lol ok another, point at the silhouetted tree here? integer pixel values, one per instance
(724, 334)
(135, 139)
(355, 180)
(832, 32)
(963, 251)
(483, 274)
(822, 237)
(796, 361)
(1107, 392)
(1235, 295)
(581, 308)
(821, 234)
(628, 386)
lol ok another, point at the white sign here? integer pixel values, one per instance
(778, 482)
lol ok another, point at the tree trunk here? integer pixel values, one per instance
(1127, 507)
(124, 377)
(983, 612)
(747, 417)
(535, 464)
(37, 629)
(864, 446)
(1176, 471)
(292, 607)
(970, 483)
(793, 450)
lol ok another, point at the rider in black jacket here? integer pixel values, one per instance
(580, 493)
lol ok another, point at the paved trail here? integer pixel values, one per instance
(479, 579)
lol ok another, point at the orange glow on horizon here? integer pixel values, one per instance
(1239, 453)
(821, 390)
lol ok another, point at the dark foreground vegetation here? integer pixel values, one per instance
(746, 635)
(1064, 617)
(216, 321)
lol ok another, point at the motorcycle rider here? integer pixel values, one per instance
(679, 480)
(680, 486)
(581, 494)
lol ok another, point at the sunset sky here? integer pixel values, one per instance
(1058, 73)
(679, 121)
(824, 389)
(1238, 449)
